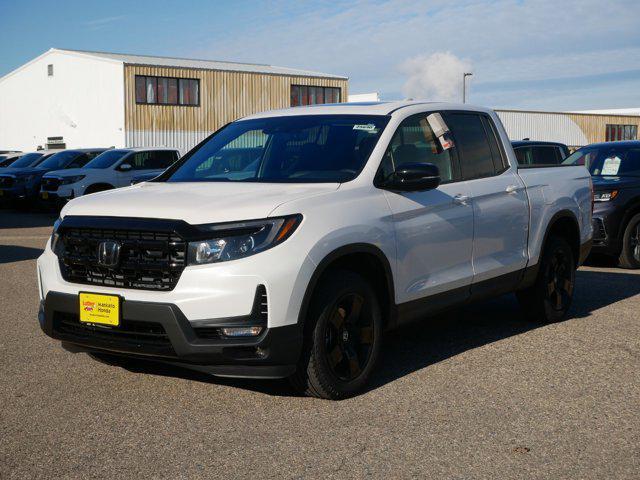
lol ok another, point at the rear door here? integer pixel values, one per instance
(433, 228)
(498, 196)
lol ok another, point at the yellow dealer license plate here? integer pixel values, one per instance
(45, 195)
(100, 309)
(1, 192)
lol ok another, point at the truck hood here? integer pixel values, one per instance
(22, 171)
(196, 203)
(604, 183)
(69, 172)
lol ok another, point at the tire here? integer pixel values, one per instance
(343, 334)
(630, 254)
(549, 298)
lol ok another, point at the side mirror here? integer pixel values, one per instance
(125, 167)
(414, 177)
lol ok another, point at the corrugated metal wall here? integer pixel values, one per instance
(224, 97)
(572, 129)
(552, 127)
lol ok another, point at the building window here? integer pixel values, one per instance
(50, 70)
(309, 95)
(167, 91)
(621, 132)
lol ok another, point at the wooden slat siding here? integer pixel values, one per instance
(594, 126)
(224, 97)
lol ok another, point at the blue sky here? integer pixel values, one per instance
(543, 54)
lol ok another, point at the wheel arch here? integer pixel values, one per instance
(631, 210)
(363, 258)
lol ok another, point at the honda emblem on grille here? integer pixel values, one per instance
(108, 253)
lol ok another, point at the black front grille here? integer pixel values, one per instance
(6, 182)
(130, 336)
(50, 184)
(599, 232)
(148, 260)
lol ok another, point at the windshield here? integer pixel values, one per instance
(106, 159)
(608, 160)
(59, 160)
(28, 160)
(312, 148)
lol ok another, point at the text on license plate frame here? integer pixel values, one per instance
(100, 308)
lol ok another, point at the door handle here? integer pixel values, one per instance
(460, 199)
(512, 189)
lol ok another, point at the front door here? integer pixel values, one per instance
(434, 228)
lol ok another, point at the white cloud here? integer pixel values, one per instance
(436, 77)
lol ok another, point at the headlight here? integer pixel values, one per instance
(231, 241)
(605, 196)
(70, 180)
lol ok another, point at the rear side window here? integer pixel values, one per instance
(523, 155)
(79, 161)
(542, 155)
(161, 159)
(472, 142)
(415, 142)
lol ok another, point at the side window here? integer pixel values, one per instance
(79, 161)
(160, 159)
(523, 155)
(139, 161)
(414, 142)
(473, 145)
(499, 160)
(541, 155)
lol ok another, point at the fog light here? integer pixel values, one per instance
(241, 331)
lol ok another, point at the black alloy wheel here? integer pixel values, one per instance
(559, 281)
(549, 298)
(342, 337)
(349, 336)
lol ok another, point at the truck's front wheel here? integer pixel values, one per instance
(342, 337)
(549, 298)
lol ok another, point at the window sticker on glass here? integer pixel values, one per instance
(440, 130)
(370, 127)
(611, 166)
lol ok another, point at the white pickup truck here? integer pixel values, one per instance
(286, 243)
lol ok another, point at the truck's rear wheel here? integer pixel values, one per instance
(549, 298)
(630, 255)
(342, 337)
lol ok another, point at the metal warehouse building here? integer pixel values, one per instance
(573, 129)
(73, 99)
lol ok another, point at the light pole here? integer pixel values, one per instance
(464, 86)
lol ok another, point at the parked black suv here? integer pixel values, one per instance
(537, 154)
(615, 168)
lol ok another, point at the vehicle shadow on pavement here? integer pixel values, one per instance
(15, 253)
(421, 344)
(16, 219)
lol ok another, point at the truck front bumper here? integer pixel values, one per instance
(160, 331)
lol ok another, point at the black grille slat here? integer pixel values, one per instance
(131, 335)
(148, 260)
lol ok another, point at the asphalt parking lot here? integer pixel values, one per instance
(477, 393)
